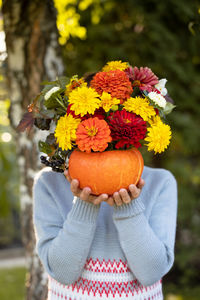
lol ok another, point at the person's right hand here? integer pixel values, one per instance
(86, 193)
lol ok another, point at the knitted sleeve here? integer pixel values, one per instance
(63, 247)
(149, 244)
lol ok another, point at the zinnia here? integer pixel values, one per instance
(144, 78)
(115, 82)
(127, 129)
(93, 134)
(65, 131)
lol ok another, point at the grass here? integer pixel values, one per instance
(12, 283)
(12, 286)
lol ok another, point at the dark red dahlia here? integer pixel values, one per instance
(127, 129)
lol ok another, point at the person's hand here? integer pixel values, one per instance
(124, 196)
(85, 194)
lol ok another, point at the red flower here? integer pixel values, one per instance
(127, 129)
(115, 82)
(99, 113)
(144, 78)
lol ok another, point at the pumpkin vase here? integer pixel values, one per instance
(108, 171)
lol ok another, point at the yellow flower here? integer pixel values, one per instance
(65, 131)
(107, 101)
(115, 65)
(140, 106)
(74, 83)
(158, 136)
(154, 120)
(84, 100)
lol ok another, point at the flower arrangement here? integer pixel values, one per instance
(117, 108)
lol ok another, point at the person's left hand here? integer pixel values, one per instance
(124, 196)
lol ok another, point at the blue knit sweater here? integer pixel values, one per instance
(105, 252)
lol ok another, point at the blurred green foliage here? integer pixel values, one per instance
(165, 36)
(12, 284)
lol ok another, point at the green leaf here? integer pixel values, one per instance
(44, 147)
(47, 88)
(46, 82)
(168, 108)
(63, 81)
(51, 102)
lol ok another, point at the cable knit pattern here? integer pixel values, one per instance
(102, 252)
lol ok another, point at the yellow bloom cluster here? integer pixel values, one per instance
(65, 131)
(107, 101)
(158, 136)
(140, 106)
(115, 65)
(84, 100)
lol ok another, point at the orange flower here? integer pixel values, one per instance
(115, 82)
(93, 134)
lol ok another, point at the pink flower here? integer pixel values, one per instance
(129, 73)
(144, 78)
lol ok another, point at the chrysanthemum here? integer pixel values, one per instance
(107, 101)
(158, 99)
(144, 78)
(84, 100)
(93, 134)
(114, 82)
(115, 65)
(127, 129)
(65, 131)
(158, 136)
(140, 106)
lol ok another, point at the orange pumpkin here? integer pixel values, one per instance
(108, 171)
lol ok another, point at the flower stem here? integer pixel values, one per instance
(61, 104)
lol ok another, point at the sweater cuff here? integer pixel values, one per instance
(131, 209)
(83, 211)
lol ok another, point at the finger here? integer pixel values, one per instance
(141, 183)
(117, 199)
(75, 187)
(85, 194)
(99, 199)
(66, 173)
(135, 192)
(110, 201)
(125, 196)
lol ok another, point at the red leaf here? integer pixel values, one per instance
(26, 122)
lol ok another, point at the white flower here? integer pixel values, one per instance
(157, 99)
(161, 86)
(51, 92)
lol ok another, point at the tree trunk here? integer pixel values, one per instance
(33, 56)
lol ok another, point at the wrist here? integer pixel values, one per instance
(83, 211)
(131, 209)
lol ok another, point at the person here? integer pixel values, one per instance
(105, 247)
